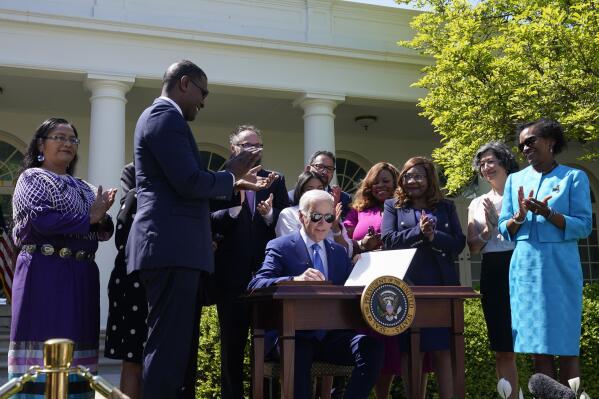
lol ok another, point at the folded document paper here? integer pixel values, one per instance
(372, 265)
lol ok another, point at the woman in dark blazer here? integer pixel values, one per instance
(419, 217)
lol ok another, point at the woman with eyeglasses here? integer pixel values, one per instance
(494, 162)
(419, 217)
(58, 221)
(546, 210)
(289, 222)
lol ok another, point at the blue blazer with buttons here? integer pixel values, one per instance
(172, 223)
(570, 196)
(400, 230)
(287, 256)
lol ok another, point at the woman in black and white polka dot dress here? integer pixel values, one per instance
(126, 328)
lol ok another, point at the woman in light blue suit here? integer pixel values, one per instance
(546, 210)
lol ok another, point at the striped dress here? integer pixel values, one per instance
(54, 297)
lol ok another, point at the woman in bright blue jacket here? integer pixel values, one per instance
(546, 210)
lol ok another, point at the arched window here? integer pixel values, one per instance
(11, 159)
(349, 172)
(213, 156)
(212, 161)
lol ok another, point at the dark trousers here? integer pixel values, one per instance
(170, 354)
(234, 322)
(339, 347)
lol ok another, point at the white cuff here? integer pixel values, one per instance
(268, 218)
(234, 211)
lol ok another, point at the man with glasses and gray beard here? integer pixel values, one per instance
(241, 233)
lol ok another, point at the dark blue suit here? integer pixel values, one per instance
(288, 256)
(433, 263)
(241, 244)
(170, 243)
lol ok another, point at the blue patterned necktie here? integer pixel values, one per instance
(318, 265)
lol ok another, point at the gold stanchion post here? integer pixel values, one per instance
(58, 354)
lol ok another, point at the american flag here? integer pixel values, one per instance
(8, 255)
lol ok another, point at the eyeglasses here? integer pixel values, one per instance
(63, 139)
(317, 217)
(204, 91)
(245, 146)
(487, 164)
(528, 142)
(320, 166)
(412, 176)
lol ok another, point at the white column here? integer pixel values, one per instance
(107, 156)
(319, 122)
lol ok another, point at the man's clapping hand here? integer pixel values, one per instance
(241, 164)
(251, 181)
(336, 193)
(265, 206)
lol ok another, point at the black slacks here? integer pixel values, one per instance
(234, 322)
(174, 310)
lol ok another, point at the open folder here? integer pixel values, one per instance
(372, 265)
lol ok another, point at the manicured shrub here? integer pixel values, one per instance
(589, 340)
(208, 378)
(208, 386)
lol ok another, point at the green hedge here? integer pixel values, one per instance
(480, 361)
(208, 384)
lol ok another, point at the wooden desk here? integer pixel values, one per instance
(288, 308)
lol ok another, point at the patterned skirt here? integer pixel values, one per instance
(54, 297)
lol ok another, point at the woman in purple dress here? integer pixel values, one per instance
(58, 221)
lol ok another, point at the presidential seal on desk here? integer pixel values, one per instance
(388, 305)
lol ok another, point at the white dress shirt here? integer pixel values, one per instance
(476, 213)
(170, 100)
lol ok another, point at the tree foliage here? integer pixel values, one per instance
(498, 63)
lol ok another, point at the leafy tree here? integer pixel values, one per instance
(498, 63)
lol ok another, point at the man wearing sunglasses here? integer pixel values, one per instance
(245, 231)
(323, 164)
(308, 256)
